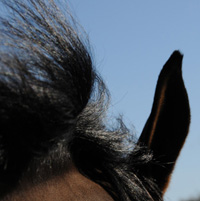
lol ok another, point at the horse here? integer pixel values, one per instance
(55, 141)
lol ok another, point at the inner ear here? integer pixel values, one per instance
(167, 126)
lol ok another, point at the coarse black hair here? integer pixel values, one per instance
(53, 107)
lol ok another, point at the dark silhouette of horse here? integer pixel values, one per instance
(54, 140)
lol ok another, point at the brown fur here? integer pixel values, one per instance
(69, 187)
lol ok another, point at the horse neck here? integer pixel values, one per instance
(69, 187)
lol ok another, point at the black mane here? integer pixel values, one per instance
(53, 106)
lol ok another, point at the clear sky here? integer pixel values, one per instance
(131, 41)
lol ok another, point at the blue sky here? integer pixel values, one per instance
(131, 41)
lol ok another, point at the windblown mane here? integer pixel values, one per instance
(53, 107)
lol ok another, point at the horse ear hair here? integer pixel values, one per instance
(167, 126)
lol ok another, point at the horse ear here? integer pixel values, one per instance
(167, 126)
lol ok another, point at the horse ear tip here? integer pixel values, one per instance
(174, 62)
(177, 54)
